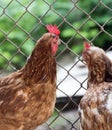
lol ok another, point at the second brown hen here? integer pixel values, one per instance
(27, 97)
(95, 107)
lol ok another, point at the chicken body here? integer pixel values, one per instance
(27, 97)
(95, 108)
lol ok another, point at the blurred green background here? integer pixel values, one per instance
(22, 23)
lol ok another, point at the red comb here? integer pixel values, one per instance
(53, 29)
(87, 45)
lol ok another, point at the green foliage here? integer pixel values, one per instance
(86, 23)
(21, 24)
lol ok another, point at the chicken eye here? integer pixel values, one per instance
(53, 35)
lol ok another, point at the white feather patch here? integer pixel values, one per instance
(109, 103)
(1, 102)
(83, 119)
(95, 111)
(24, 94)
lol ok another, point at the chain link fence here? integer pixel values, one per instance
(23, 22)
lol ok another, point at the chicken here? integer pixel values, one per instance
(95, 108)
(27, 97)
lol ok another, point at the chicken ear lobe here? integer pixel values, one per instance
(108, 71)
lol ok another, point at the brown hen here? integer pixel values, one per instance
(27, 97)
(95, 107)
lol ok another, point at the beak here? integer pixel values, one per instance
(59, 42)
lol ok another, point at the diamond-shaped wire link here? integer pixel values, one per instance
(68, 73)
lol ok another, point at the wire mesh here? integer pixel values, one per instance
(61, 119)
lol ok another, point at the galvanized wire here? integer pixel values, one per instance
(70, 98)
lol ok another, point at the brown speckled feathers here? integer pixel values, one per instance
(95, 107)
(27, 97)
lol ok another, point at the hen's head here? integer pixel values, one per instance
(99, 65)
(51, 39)
(91, 53)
